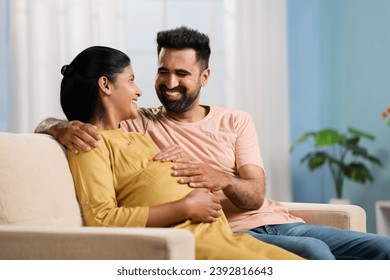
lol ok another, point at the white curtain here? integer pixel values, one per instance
(46, 34)
(257, 80)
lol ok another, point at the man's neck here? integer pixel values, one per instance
(193, 115)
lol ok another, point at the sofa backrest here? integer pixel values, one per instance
(36, 185)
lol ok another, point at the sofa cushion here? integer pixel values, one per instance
(36, 186)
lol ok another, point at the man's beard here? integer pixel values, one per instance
(178, 106)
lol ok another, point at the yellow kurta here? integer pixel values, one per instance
(117, 182)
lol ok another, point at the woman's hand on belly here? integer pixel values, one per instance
(201, 205)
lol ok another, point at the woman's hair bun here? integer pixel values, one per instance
(66, 70)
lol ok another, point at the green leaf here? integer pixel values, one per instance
(335, 161)
(362, 152)
(374, 160)
(315, 159)
(358, 172)
(300, 140)
(308, 156)
(316, 162)
(328, 137)
(357, 150)
(352, 141)
(360, 133)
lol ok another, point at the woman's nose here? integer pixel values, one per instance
(138, 91)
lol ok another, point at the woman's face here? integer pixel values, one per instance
(124, 95)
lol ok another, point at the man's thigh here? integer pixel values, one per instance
(307, 247)
(343, 244)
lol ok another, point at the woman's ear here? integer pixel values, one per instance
(104, 85)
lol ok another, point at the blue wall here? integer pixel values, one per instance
(3, 64)
(339, 60)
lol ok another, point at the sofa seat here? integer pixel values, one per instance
(41, 219)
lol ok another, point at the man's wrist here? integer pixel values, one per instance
(50, 125)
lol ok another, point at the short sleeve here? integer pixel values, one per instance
(247, 144)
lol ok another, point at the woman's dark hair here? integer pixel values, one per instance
(185, 38)
(79, 87)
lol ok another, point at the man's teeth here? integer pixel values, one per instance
(172, 93)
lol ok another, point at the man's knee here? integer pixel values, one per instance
(314, 249)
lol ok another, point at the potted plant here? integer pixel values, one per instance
(342, 153)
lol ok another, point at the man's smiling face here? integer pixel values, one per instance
(178, 81)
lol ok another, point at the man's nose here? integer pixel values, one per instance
(172, 81)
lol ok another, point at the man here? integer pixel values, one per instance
(223, 153)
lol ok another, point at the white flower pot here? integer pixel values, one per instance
(339, 201)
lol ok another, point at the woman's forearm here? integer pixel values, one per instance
(168, 214)
(199, 205)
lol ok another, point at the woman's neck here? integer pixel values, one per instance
(104, 124)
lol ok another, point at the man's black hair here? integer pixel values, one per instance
(186, 38)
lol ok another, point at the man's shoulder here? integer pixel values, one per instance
(145, 117)
(229, 112)
(150, 112)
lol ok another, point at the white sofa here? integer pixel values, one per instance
(40, 217)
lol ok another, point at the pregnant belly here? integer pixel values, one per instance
(151, 186)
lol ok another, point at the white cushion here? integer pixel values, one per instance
(36, 186)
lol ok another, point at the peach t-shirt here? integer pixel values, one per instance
(225, 139)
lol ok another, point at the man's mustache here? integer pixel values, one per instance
(178, 88)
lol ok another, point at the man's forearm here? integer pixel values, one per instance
(247, 190)
(74, 135)
(46, 126)
(247, 194)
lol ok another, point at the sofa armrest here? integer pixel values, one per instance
(94, 243)
(350, 217)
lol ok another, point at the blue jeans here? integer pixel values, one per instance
(315, 242)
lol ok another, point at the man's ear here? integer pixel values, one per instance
(104, 85)
(204, 77)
